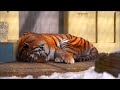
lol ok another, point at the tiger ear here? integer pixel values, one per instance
(26, 33)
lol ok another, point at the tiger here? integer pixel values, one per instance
(61, 48)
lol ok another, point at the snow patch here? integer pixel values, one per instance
(15, 77)
(87, 74)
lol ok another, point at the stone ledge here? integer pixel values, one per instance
(37, 69)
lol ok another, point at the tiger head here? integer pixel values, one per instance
(31, 48)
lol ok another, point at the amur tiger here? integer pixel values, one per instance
(66, 48)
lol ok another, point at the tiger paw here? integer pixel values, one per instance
(63, 56)
(58, 60)
(69, 61)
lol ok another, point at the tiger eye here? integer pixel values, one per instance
(41, 46)
(26, 45)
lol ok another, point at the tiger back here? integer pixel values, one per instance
(58, 47)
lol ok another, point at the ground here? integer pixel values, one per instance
(37, 69)
(106, 63)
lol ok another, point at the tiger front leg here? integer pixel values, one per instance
(63, 56)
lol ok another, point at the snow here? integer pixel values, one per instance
(15, 77)
(87, 74)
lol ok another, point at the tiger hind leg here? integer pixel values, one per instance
(63, 56)
(93, 55)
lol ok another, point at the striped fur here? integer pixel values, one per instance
(59, 47)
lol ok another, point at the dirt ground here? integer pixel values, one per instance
(37, 69)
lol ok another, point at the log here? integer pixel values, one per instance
(109, 63)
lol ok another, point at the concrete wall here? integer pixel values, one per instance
(40, 21)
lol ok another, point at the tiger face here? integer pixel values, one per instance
(31, 49)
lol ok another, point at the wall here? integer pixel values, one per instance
(9, 23)
(102, 28)
(39, 21)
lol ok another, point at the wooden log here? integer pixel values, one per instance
(108, 63)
